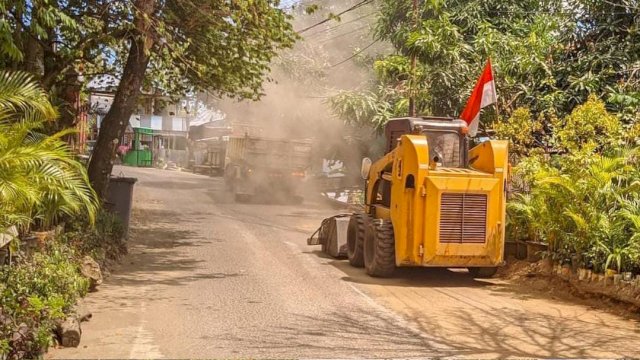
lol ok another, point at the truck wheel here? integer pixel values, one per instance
(483, 272)
(228, 183)
(242, 198)
(355, 239)
(229, 174)
(379, 249)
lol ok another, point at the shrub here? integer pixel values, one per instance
(104, 241)
(584, 200)
(34, 294)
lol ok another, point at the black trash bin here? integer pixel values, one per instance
(120, 198)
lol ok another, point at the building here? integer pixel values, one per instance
(169, 121)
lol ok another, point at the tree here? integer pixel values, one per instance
(224, 48)
(57, 41)
(171, 46)
(548, 55)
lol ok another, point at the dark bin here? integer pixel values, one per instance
(120, 198)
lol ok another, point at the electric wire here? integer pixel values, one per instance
(339, 25)
(343, 34)
(356, 6)
(354, 55)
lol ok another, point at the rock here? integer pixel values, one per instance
(91, 270)
(21, 333)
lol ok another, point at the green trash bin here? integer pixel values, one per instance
(120, 199)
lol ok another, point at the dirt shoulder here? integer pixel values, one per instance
(622, 299)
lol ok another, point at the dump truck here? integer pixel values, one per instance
(266, 166)
(430, 201)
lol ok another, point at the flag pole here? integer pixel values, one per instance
(494, 85)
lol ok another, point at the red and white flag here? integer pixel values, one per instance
(483, 95)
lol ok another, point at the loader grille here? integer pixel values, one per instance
(463, 218)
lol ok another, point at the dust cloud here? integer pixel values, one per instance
(295, 102)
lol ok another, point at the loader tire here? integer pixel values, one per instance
(483, 272)
(379, 249)
(355, 239)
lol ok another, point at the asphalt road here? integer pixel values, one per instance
(209, 278)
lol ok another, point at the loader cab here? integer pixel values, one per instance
(447, 138)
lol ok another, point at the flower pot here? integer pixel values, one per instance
(617, 279)
(582, 274)
(610, 272)
(575, 264)
(535, 250)
(42, 237)
(627, 276)
(517, 249)
(555, 269)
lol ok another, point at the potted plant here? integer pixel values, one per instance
(536, 250)
(615, 255)
(617, 279)
(565, 270)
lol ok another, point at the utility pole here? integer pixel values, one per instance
(412, 93)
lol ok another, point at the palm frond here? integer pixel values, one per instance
(20, 93)
(39, 178)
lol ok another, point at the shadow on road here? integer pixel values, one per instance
(412, 277)
(349, 333)
(158, 257)
(497, 333)
(407, 276)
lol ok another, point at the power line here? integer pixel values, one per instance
(354, 55)
(339, 25)
(362, 3)
(344, 34)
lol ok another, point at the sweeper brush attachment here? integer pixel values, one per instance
(332, 235)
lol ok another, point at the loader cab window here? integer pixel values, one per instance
(383, 193)
(444, 148)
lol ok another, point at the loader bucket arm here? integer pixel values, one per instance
(490, 157)
(376, 172)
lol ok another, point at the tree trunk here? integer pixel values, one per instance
(124, 103)
(70, 332)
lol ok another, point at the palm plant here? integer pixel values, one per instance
(39, 178)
